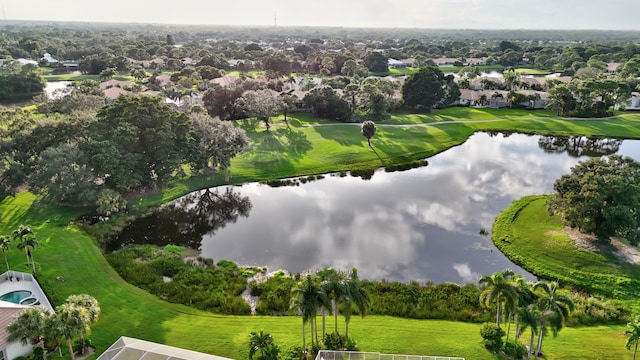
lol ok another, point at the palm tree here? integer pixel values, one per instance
(633, 334)
(308, 298)
(368, 129)
(24, 232)
(482, 99)
(28, 327)
(271, 352)
(525, 298)
(90, 310)
(529, 318)
(29, 243)
(4, 245)
(554, 308)
(357, 296)
(497, 288)
(69, 322)
(259, 341)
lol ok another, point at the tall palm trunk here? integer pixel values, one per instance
(346, 329)
(5, 259)
(531, 344)
(335, 313)
(324, 316)
(517, 332)
(33, 263)
(304, 340)
(539, 349)
(71, 355)
(508, 325)
(498, 312)
(635, 350)
(313, 328)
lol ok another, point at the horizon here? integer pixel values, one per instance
(572, 15)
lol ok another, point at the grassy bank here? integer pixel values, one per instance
(536, 241)
(71, 263)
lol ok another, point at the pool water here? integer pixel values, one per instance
(29, 301)
(16, 296)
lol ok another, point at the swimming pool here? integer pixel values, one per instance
(16, 296)
(30, 301)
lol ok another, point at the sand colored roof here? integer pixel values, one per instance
(8, 313)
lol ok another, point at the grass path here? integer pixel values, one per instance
(72, 263)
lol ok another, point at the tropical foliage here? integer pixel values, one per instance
(601, 196)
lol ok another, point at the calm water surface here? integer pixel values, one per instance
(422, 224)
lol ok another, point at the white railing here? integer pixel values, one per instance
(359, 355)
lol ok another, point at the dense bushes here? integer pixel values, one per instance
(442, 301)
(164, 273)
(275, 294)
(492, 336)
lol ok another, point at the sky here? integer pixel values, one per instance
(436, 14)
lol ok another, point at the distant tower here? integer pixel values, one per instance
(275, 19)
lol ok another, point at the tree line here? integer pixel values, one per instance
(135, 143)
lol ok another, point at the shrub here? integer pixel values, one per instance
(492, 335)
(335, 341)
(515, 350)
(80, 344)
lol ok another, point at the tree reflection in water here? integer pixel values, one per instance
(185, 221)
(577, 146)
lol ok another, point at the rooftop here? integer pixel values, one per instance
(126, 348)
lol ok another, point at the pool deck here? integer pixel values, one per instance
(23, 281)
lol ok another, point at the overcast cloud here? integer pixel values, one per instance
(449, 14)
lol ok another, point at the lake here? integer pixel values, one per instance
(421, 224)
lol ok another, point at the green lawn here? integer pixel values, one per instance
(71, 263)
(536, 241)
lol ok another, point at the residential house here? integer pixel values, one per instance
(612, 68)
(481, 83)
(445, 61)
(112, 93)
(396, 64)
(49, 60)
(11, 350)
(153, 63)
(115, 83)
(410, 62)
(476, 61)
(163, 80)
(225, 81)
(634, 102)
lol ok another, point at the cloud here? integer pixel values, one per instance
(464, 271)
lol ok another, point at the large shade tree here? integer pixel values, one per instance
(601, 196)
(138, 142)
(218, 141)
(424, 89)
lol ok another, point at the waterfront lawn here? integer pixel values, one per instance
(71, 263)
(536, 241)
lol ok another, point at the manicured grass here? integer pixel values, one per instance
(536, 241)
(71, 263)
(78, 77)
(531, 71)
